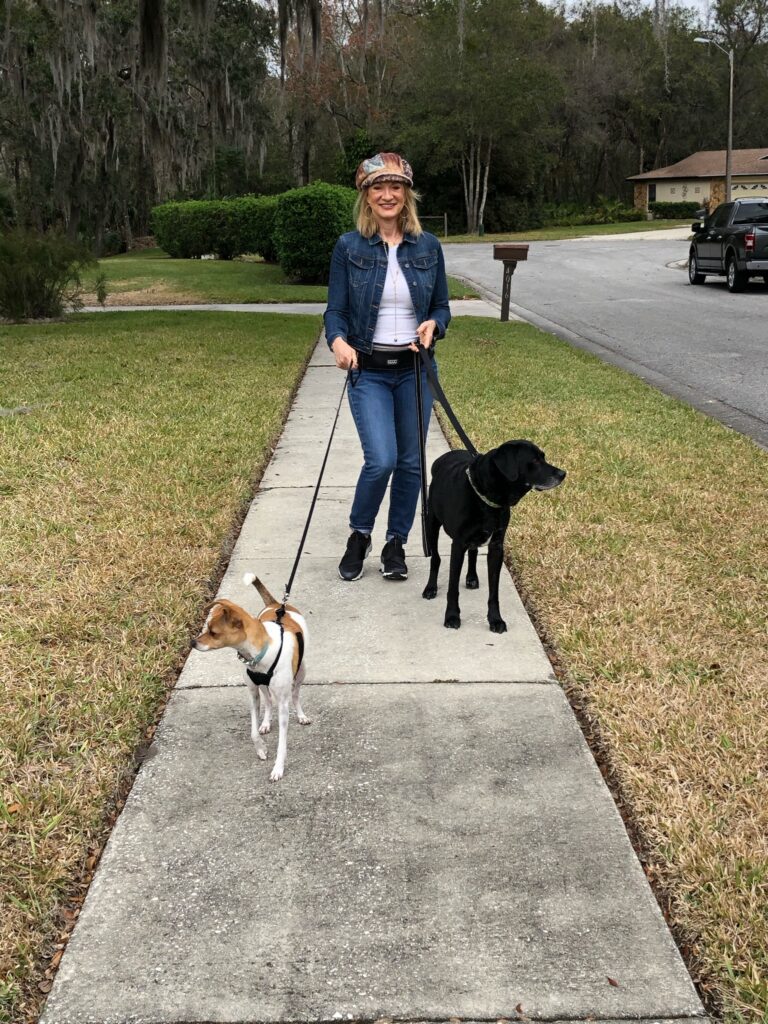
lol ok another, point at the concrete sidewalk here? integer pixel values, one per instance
(442, 845)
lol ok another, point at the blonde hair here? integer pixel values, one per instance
(409, 218)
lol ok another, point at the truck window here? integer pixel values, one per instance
(751, 213)
(722, 213)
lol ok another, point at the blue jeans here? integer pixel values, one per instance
(383, 404)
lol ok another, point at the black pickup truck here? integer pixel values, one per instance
(732, 241)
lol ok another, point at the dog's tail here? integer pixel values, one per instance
(251, 577)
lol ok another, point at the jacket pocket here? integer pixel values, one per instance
(425, 262)
(360, 269)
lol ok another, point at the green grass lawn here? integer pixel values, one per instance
(647, 573)
(577, 231)
(149, 277)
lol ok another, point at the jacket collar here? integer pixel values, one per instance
(407, 237)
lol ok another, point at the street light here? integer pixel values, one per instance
(729, 150)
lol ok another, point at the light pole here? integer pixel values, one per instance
(729, 150)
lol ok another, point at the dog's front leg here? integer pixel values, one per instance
(282, 742)
(258, 742)
(472, 582)
(495, 560)
(433, 533)
(452, 610)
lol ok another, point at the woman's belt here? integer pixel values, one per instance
(388, 358)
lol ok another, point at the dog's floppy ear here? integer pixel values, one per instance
(506, 459)
(230, 613)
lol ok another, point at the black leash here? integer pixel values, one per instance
(439, 396)
(422, 454)
(281, 610)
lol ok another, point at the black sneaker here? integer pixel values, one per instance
(393, 565)
(351, 565)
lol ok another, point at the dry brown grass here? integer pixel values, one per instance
(119, 494)
(162, 293)
(648, 572)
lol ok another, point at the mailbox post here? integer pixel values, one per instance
(510, 253)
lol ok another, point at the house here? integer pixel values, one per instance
(700, 178)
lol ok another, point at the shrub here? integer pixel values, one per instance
(674, 211)
(40, 274)
(189, 229)
(227, 227)
(308, 222)
(607, 211)
(513, 213)
(252, 223)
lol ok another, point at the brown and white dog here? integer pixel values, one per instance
(269, 652)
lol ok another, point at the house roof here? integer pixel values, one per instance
(710, 163)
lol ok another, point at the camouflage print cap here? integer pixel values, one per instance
(383, 167)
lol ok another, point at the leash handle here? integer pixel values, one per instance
(439, 396)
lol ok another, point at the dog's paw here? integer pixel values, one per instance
(261, 752)
(452, 621)
(265, 728)
(472, 582)
(303, 720)
(276, 774)
(497, 625)
(429, 592)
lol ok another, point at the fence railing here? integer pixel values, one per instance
(443, 217)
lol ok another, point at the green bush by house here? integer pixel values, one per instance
(608, 211)
(308, 222)
(674, 211)
(225, 227)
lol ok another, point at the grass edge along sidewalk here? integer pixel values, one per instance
(123, 488)
(658, 626)
(647, 572)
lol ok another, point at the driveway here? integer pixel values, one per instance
(625, 299)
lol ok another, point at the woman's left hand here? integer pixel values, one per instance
(425, 331)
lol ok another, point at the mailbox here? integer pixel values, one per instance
(510, 253)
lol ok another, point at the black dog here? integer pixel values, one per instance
(470, 497)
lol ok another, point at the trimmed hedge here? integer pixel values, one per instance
(674, 211)
(226, 227)
(308, 222)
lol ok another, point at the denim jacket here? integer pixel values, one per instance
(358, 272)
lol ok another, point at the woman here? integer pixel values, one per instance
(387, 293)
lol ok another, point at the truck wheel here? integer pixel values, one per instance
(737, 279)
(694, 277)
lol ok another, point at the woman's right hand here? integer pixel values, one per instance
(344, 354)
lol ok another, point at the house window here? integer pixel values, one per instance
(651, 193)
(672, 191)
(697, 189)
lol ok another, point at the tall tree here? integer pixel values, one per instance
(102, 113)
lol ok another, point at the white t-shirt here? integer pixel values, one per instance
(396, 323)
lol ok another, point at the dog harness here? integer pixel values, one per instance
(265, 678)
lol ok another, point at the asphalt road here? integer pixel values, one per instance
(620, 299)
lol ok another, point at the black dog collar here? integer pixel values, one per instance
(482, 497)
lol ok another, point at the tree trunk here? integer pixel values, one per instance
(474, 177)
